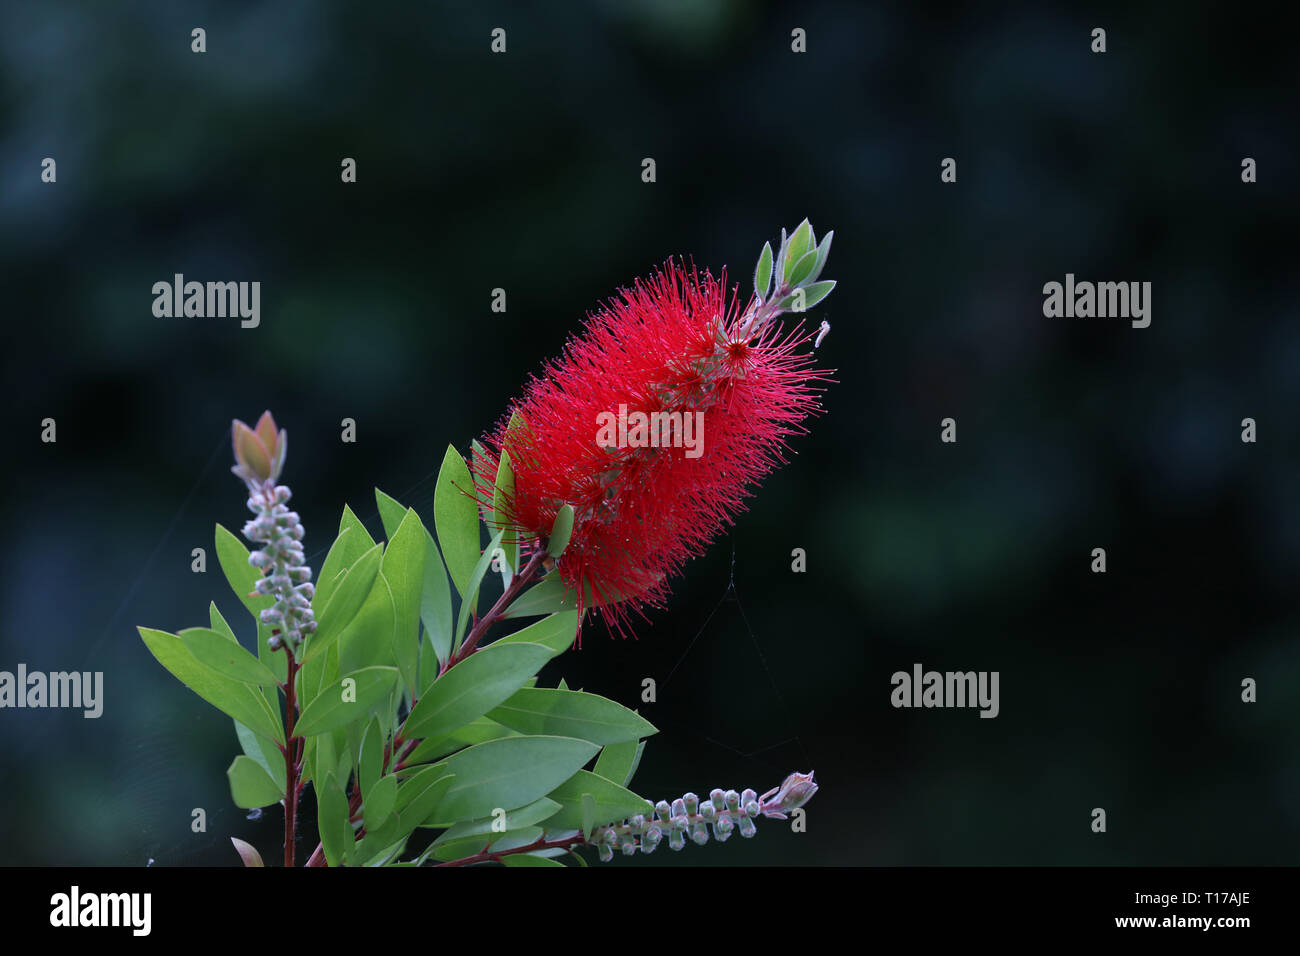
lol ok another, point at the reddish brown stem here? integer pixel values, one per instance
(484, 624)
(481, 627)
(292, 758)
(484, 856)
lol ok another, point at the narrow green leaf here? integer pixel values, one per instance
(509, 773)
(476, 732)
(636, 762)
(435, 600)
(424, 800)
(332, 821)
(612, 802)
(823, 253)
(242, 577)
(263, 751)
(569, 713)
(250, 785)
(588, 816)
(341, 556)
(473, 687)
(226, 657)
(811, 295)
(391, 513)
(616, 761)
(556, 631)
(378, 801)
(368, 640)
(544, 597)
(470, 602)
(455, 516)
(802, 269)
(503, 517)
(342, 701)
(344, 603)
(403, 567)
(370, 757)
(763, 273)
(233, 698)
(800, 241)
(484, 827)
(561, 532)
(779, 267)
(516, 860)
(218, 623)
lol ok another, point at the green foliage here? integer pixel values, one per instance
(402, 728)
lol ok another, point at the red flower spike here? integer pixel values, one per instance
(721, 402)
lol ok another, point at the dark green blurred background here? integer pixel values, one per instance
(522, 171)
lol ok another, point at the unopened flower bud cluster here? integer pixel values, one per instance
(286, 576)
(687, 817)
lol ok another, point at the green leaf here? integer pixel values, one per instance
(379, 800)
(250, 785)
(811, 295)
(263, 751)
(473, 687)
(475, 732)
(823, 253)
(763, 273)
(370, 756)
(545, 597)
(802, 269)
(231, 697)
(636, 762)
(337, 561)
(332, 821)
(556, 631)
(561, 532)
(344, 603)
(455, 516)
(503, 517)
(403, 567)
(218, 623)
(515, 839)
(571, 713)
(391, 513)
(588, 816)
(420, 798)
(213, 649)
(369, 852)
(617, 761)
(483, 828)
(509, 773)
(780, 258)
(800, 242)
(352, 542)
(470, 601)
(435, 600)
(242, 577)
(330, 711)
(527, 860)
(612, 803)
(368, 640)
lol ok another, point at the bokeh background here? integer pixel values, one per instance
(522, 171)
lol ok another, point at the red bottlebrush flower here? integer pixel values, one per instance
(653, 424)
